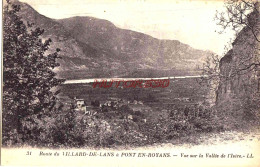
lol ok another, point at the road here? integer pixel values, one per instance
(127, 79)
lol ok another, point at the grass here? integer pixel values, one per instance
(174, 115)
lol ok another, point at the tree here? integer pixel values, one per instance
(243, 59)
(238, 14)
(243, 15)
(28, 79)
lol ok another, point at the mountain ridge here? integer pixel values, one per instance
(92, 47)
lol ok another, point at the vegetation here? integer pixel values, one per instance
(242, 16)
(235, 77)
(112, 127)
(28, 78)
(33, 115)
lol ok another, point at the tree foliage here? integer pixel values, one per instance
(242, 16)
(238, 15)
(28, 77)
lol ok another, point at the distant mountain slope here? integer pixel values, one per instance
(94, 47)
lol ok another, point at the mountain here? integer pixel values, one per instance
(92, 47)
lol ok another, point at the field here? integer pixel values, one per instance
(127, 117)
(180, 92)
(137, 116)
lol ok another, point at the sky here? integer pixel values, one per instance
(189, 21)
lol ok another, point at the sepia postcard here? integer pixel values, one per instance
(111, 83)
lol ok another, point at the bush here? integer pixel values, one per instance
(71, 128)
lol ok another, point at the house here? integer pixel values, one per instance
(81, 106)
(108, 104)
(80, 103)
(130, 117)
(140, 102)
(90, 111)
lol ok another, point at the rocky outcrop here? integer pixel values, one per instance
(239, 68)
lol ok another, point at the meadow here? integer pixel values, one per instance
(180, 92)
